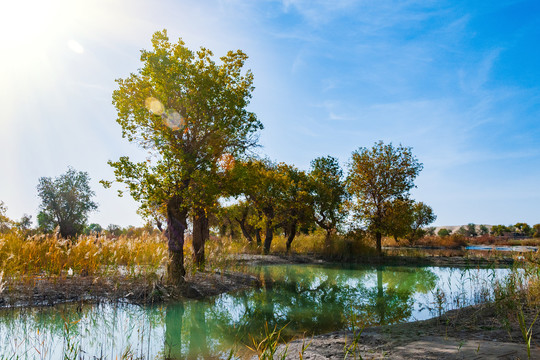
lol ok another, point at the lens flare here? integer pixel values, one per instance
(173, 119)
(154, 105)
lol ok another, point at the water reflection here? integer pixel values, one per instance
(306, 299)
(173, 331)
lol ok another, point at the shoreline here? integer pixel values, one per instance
(475, 332)
(42, 291)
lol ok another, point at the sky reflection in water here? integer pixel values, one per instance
(305, 298)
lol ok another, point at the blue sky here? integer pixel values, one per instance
(458, 81)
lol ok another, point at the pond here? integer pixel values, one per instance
(305, 299)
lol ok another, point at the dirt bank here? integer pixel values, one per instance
(450, 261)
(474, 332)
(50, 291)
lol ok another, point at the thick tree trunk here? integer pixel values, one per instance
(378, 238)
(268, 236)
(176, 226)
(201, 233)
(291, 234)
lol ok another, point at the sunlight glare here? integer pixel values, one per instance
(75, 47)
(154, 105)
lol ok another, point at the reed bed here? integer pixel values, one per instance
(50, 256)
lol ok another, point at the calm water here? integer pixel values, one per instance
(308, 299)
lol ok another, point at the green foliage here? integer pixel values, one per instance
(444, 232)
(93, 229)
(295, 205)
(66, 202)
(501, 230)
(25, 223)
(484, 230)
(422, 215)
(523, 229)
(462, 231)
(536, 230)
(190, 114)
(266, 349)
(5, 222)
(378, 177)
(329, 193)
(471, 229)
(406, 219)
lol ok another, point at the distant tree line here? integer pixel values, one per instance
(520, 229)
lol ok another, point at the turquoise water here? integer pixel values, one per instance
(305, 299)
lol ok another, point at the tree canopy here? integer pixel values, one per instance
(329, 194)
(66, 202)
(378, 177)
(188, 112)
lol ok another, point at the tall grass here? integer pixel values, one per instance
(49, 256)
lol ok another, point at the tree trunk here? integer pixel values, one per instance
(327, 242)
(378, 238)
(232, 233)
(268, 236)
(245, 232)
(291, 235)
(258, 236)
(200, 235)
(176, 226)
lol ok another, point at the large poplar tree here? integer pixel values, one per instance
(188, 112)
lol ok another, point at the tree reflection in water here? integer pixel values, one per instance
(316, 299)
(306, 299)
(173, 331)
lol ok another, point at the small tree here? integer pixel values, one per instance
(484, 230)
(471, 230)
(66, 202)
(398, 219)
(523, 229)
(25, 223)
(422, 215)
(444, 232)
(114, 230)
(377, 177)
(5, 222)
(536, 230)
(329, 194)
(462, 231)
(93, 229)
(501, 230)
(264, 187)
(295, 206)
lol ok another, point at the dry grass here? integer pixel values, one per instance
(453, 241)
(49, 256)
